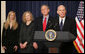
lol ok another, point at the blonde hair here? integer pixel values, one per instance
(14, 23)
(24, 18)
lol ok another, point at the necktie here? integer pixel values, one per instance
(61, 25)
(44, 24)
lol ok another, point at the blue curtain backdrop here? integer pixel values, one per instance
(34, 6)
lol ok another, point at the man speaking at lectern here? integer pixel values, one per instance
(43, 23)
(65, 23)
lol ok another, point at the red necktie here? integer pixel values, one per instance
(44, 24)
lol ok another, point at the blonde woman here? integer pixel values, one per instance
(26, 33)
(10, 34)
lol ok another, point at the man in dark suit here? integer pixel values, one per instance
(65, 23)
(43, 23)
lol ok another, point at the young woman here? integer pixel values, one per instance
(10, 34)
(26, 33)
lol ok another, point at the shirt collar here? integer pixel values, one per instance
(61, 19)
(46, 16)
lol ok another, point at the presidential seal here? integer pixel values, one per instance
(50, 35)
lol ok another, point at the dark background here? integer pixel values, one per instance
(34, 6)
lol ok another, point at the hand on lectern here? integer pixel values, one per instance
(35, 45)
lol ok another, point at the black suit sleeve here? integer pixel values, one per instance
(21, 33)
(74, 28)
(4, 37)
(17, 36)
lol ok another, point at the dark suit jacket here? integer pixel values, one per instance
(39, 23)
(39, 27)
(70, 26)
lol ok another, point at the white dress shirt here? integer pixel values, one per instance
(47, 17)
(61, 19)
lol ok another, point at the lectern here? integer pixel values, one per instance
(61, 36)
